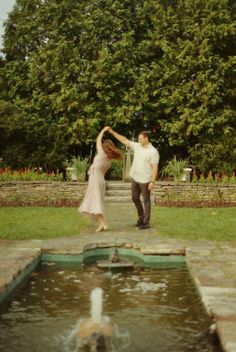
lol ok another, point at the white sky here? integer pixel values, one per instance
(5, 7)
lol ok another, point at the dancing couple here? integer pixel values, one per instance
(143, 174)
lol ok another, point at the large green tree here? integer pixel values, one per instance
(72, 66)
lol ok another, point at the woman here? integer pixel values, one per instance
(93, 202)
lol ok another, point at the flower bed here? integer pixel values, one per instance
(7, 174)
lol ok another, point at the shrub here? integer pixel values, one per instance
(175, 168)
(202, 179)
(194, 178)
(225, 178)
(210, 178)
(232, 179)
(116, 170)
(217, 178)
(79, 166)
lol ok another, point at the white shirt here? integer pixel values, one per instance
(141, 169)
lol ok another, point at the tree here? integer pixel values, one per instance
(73, 66)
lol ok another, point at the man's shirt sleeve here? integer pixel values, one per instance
(155, 157)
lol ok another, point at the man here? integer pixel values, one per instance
(143, 173)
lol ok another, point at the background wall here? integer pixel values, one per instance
(70, 193)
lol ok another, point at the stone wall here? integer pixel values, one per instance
(70, 193)
(212, 193)
(27, 193)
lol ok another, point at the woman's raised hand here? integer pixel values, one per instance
(105, 129)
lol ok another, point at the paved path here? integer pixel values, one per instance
(212, 264)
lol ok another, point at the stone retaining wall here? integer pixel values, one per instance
(27, 193)
(70, 193)
(166, 192)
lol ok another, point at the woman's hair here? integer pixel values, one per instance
(111, 150)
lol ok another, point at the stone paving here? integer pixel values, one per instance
(212, 264)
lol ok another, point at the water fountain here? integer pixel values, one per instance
(115, 262)
(95, 333)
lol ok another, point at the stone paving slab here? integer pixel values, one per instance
(227, 334)
(211, 264)
(221, 301)
(15, 258)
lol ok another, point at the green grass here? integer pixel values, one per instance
(40, 223)
(217, 224)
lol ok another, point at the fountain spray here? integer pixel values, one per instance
(96, 305)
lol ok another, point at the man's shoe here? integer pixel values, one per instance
(144, 226)
(139, 222)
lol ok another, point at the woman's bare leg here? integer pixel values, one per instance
(101, 223)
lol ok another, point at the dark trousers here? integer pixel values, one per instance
(138, 189)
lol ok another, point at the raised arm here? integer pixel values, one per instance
(119, 137)
(99, 138)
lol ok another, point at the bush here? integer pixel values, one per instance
(202, 179)
(210, 178)
(78, 166)
(175, 168)
(217, 178)
(116, 170)
(194, 178)
(232, 179)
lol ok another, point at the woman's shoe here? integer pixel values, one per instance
(102, 228)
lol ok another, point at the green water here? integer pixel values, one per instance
(158, 309)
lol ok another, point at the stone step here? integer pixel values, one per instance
(118, 192)
(117, 199)
(118, 185)
(123, 199)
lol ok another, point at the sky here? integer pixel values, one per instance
(5, 7)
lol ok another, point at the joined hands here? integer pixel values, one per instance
(107, 129)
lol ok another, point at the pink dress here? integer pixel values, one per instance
(93, 202)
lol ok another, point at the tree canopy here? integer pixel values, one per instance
(70, 67)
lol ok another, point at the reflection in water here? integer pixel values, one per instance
(158, 309)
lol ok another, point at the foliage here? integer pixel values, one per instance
(210, 178)
(225, 179)
(79, 165)
(71, 67)
(202, 179)
(194, 178)
(232, 178)
(217, 178)
(6, 174)
(175, 168)
(116, 170)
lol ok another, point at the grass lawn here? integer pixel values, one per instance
(40, 223)
(217, 224)
(185, 223)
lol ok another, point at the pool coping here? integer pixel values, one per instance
(212, 266)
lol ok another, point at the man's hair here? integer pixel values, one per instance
(146, 134)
